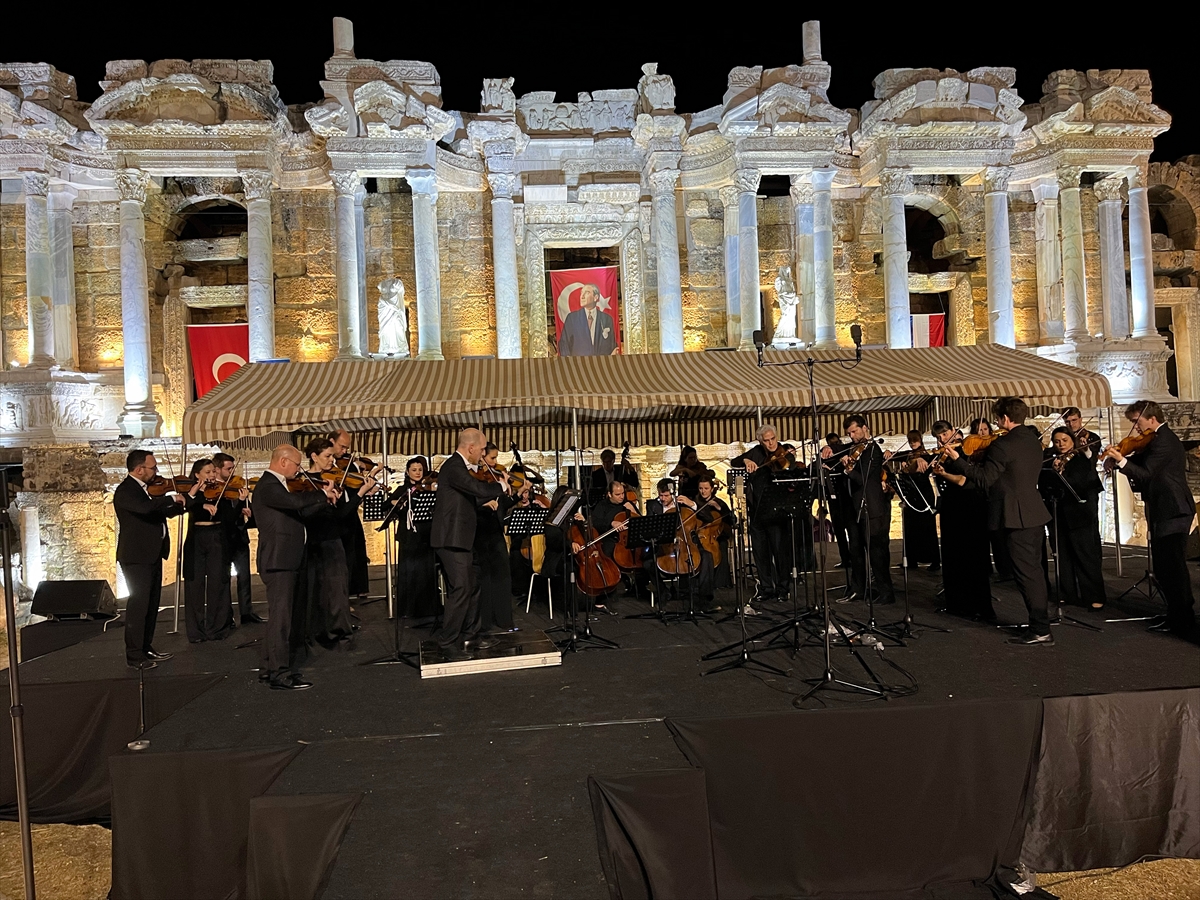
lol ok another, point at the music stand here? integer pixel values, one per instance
(374, 507)
(420, 507)
(651, 531)
(1052, 489)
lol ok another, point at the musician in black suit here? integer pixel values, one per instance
(1159, 472)
(609, 471)
(142, 545)
(838, 495)
(354, 538)
(459, 495)
(871, 512)
(281, 537)
(238, 537)
(1088, 442)
(770, 541)
(1009, 474)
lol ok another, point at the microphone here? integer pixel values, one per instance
(856, 336)
(758, 344)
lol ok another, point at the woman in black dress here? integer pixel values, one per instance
(965, 554)
(206, 597)
(1080, 568)
(491, 556)
(1004, 569)
(689, 472)
(416, 566)
(918, 510)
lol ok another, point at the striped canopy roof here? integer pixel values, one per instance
(264, 399)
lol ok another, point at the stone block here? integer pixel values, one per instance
(322, 262)
(1024, 267)
(98, 283)
(696, 207)
(1026, 324)
(775, 211)
(79, 235)
(320, 321)
(106, 311)
(214, 275)
(866, 285)
(707, 233)
(65, 468)
(98, 259)
(1025, 294)
(704, 278)
(287, 265)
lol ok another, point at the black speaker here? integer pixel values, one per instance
(71, 599)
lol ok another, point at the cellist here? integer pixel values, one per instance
(668, 503)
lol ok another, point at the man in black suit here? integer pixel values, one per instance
(1009, 474)
(1159, 472)
(354, 539)
(234, 520)
(142, 545)
(770, 539)
(278, 513)
(870, 513)
(459, 495)
(587, 331)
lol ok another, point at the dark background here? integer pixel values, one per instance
(595, 47)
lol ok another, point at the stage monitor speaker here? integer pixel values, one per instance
(74, 599)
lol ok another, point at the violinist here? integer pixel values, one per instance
(1158, 470)
(520, 550)
(354, 537)
(1004, 567)
(238, 539)
(206, 600)
(769, 539)
(325, 616)
(837, 492)
(689, 472)
(453, 537)
(491, 553)
(1009, 474)
(920, 526)
(1080, 571)
(556, 555)
(963, 510)
(281, 547)
(872, 512)
(142, 545)
(1088, 442)
(416, 564)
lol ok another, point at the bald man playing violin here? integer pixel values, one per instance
(1158, 471)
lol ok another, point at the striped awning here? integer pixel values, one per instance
(654, 395)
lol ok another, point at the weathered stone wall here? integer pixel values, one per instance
(702, 271)
(95, 233)
(465, 244)
(1090, 208)
(304, 247)
(14, 311)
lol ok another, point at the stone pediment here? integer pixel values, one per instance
(387, 111)
(190, 103)
(39, 103)
(1110, 111)
(27, 120)
(783, 109)
(919, 98)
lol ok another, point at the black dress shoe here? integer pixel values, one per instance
(480, 643)
(456, 654)
(1029, 640)
(154, 654)
(141, 663)
(1165, 627)
(290, 683)
(252, 619)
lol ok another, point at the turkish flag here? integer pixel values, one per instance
(929, 330)
(566, 285)
(217, 352)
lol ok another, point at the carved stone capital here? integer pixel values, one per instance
(36, 184)
(1136, 177)
(664, 182)
(1068, 177)
(728, 195)
(995, 179)
(1109, 188)
(895, 182)
(132, 184)
(503, 185)
(345, 184)
(422, 181)
(747, 180)
(801, 189)
(256, 184)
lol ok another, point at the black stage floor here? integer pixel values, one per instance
(476, 785)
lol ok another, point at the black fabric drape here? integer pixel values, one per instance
(71, 729)
(46, 637)
(653, 834)
(180, 821)
(294, 842)
(1118, 778)
(907, 802)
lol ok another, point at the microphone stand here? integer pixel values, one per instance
(1061, 617)
(905, 626)
(869, 626)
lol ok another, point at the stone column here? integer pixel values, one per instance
(1141, 257)
(666, 248)
(733, 293)
(428, 266)
(1001, 324)
(896, 183)
(1074, 281)
(139, 417)
(746, 182)
(1049, 262)
(38, 274)
(360, 254)
(260, 303)
(1112, 258)
(823, 292)
(62, 284)
(350, 340)
(802, 263)
(504, 266)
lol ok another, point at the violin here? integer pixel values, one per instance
(782, 457)
(488, 474)
(158, 486)
(598, 575)
(976, 443)
(516, 480)
(305, 481)
(1060, 462)
(850, 460)
(1131, 443)
(229, 490)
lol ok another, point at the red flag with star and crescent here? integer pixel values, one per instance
(565, 285)
(217, 352)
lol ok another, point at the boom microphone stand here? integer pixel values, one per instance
(869, 626)
(904, 627)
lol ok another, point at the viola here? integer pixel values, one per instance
(1131, 443)
(598, 575)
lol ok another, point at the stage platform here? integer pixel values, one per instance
(513, 650)
(477, 787)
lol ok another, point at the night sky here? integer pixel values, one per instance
(604, 46)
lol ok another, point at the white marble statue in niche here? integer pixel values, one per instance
(789, 302)
(393, 319)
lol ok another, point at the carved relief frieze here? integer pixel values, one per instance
(32, 410)
(611, 194)
(602, 112)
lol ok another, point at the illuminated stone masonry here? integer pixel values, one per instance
(1040, 225)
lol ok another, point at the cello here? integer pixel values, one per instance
(598, 575)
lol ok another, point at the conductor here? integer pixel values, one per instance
(459, 495)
